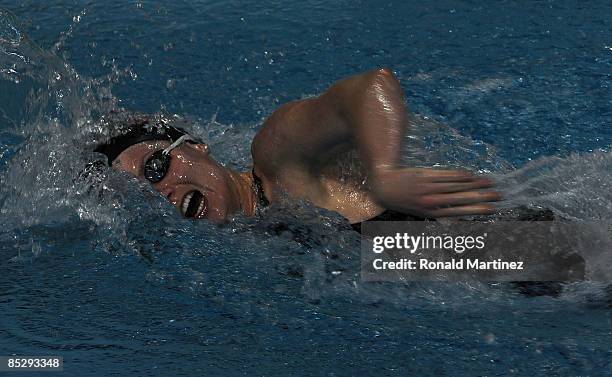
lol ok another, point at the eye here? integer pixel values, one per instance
(156, 166)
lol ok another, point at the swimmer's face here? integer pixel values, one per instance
(195, 183)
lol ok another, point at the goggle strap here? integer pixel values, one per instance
(178, 142)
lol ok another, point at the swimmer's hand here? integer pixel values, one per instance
(365, 113)
(433, 193)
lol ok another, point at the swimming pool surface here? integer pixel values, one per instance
(117, 284)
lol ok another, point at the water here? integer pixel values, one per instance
(114, 281)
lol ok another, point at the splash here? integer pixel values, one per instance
(577, 187)
(50, 120)
(53, 116)
(434, 144)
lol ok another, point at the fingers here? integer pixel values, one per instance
(436, 193)
(442, 176)
(441, 188)
(460, 198)
(436, 175)
(478, 209)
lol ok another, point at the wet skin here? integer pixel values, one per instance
(297, 150)
(192, 169)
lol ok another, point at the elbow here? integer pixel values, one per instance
(385, 72)
(365, 92)
(382, 86)
(384, 78)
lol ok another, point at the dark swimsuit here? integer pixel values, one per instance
(262, 201)
(516, 214)
(389, 215)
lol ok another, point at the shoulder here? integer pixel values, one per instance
(302, 138)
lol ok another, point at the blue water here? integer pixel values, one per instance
(116, 283)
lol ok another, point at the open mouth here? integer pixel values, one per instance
(194, 205)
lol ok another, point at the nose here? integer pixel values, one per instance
(167, 191)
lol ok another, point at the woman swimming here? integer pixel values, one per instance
(297, 152)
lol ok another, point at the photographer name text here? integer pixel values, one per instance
(439, 243)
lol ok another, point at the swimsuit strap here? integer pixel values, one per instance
(262, 201)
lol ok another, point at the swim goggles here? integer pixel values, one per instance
(156, 167)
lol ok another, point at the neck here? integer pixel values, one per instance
(243, 191)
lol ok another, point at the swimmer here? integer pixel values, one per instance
(296, 153)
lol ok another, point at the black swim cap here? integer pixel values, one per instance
(132, 129)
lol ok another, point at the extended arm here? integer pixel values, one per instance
(367, 112)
